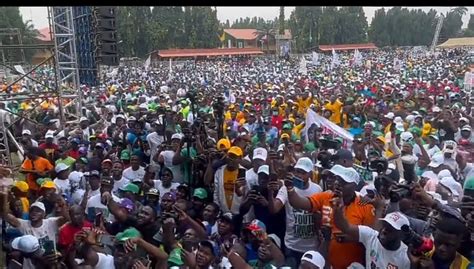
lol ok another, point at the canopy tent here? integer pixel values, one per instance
(458, 42)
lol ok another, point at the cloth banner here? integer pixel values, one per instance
(303, 70)
(397, 64)
(329, 128)
(315, 58)
(147, 62)
(335, 59)
(357, 58)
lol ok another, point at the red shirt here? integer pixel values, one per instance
(67, 232)
(277, 121)
(50, 150)
(74, 154)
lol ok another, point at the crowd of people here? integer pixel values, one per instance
(248, 163)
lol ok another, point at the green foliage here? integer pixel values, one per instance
(11, 18)
(281, 21)
(402, 27)
(144, 29)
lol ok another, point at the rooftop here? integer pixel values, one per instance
(176, 53)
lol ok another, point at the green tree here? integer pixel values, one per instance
(470, 27)
(11, 18)
(281, 21)
(268, 32)
(452, 24)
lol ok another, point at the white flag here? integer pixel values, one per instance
(303, 70)
(315, 58)
(147, 62)
(357, 58)
(335, 59)
(397, 64)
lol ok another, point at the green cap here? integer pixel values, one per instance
(127, 234)
(41, 180)
(130, 187)
(469, 183)
(309, 147)
(125, 155)
(174, 259)
(200, 193)
(287, 126)
(415, 130)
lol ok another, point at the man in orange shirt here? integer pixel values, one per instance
(341, 255)
(35, 167)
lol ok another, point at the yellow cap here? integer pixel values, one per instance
(21, 185)
(285, 135)
(48, 184)
(236, 151)
(223, 143)
(426, 129)
(381, 138)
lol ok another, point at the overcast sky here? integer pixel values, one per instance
(39, 15)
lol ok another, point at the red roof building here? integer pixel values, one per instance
(44, 35)
(192, 53)
(366, 46)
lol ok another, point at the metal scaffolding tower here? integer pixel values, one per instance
(67, 72)
(439, 25)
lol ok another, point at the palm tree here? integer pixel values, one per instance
(461, 11)
(267, 32)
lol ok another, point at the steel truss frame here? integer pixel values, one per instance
(66, 73)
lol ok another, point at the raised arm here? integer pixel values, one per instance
(341, 222)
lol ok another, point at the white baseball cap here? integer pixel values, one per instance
(260, 154)
(304, 164)
(176, 136)
(436, 109)
(398, 119)
(26, 132)
(436, 160)
(39, 205)
(314, 258)
(61, 167)
(264, 169)
(82, 119)
(397, 220)
(26, 243)
(349, 175)
(390, 115)
(49, 135)
(452, 185)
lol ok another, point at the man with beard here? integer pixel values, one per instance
(145, 221)
(383, 249)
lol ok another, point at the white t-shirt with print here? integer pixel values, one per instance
(158, 184)
(376, 256)
(130, 174)
(62, 185)
(47, 231)
(301, 234)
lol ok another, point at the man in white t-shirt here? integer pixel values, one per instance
(43, 229)
(135, 171)
(117, 176)
(300, 235)
(165, 184)
(62, 178)
(166, 158)
(26, 134)
(95, 204)
(259, 158)
(383, 249)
